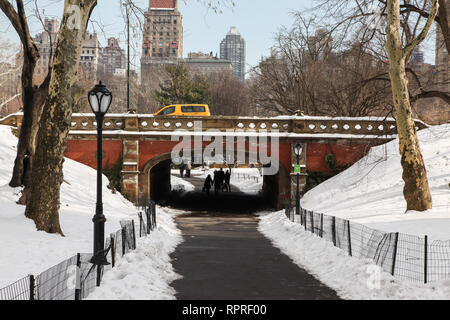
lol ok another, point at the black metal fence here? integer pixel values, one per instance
(76, 277)
(404, 256)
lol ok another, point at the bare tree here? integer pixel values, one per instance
(228, 96)
(416, 191)
(310, 71)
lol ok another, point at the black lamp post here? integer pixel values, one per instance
(298, 149)
(100, 99)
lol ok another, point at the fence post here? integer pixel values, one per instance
(312, 222)
(394, 257)
(113, 251)
(134, 235)
(333, 229)
(124, 238)
(321, 225)
(78, 280)
(32, 287)
(426, 260)
(306, 219)
(140, 224)
(349, 239)
(149, 222)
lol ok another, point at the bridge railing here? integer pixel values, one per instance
(365, 126)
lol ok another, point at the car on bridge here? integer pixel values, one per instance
(190, 110)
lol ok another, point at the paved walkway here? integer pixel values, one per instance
(224, 257)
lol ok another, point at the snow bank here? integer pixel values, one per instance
(179, 184)
(371, 191)
(145, 274)
(352, 278)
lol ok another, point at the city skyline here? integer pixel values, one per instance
(203, 29)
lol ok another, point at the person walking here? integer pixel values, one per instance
(217, 183)
(208, 184)
(188, 170)
(227, 181)
(182, 167)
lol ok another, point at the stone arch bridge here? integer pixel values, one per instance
(142, 146)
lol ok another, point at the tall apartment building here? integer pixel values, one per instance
(162, 43)
(113, 60)
(163, 32)
(232, 48)
(442, 58)
(90, 53)
(46, 43)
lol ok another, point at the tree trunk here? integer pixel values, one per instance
(416, 191)
(47, 176)
(444, 21)
(32, 97)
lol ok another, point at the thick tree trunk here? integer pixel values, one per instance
(444, 21)
(47, 176)
(416, 191)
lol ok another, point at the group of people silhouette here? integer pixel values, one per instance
(220, 182)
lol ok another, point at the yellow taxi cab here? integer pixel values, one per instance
(193, 110)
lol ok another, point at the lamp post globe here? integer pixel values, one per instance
(298, 149)
(100, 99)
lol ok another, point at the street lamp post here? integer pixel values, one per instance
(100, 100)
(298, 149)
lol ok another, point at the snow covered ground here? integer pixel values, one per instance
(26, 251)
(352, 278)
(371, 191)
(248, 180)
(179, 184)
(145, 273)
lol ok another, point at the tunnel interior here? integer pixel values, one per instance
(250, 191)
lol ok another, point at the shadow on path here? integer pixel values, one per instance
(223, 202)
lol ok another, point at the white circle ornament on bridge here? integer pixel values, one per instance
(144, 124)
(167, 124)
(312, 126)
(275, 126)
(252, 126)
(190, 124)
(263, 126)
(240, 125)
(155, 124)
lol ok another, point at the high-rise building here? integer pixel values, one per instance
(113, 60)
(232, 48)
(46, 43)
(162, 44)
(163, 31)
(90, 54)
(442, 58)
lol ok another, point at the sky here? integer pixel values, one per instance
(258, 21)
